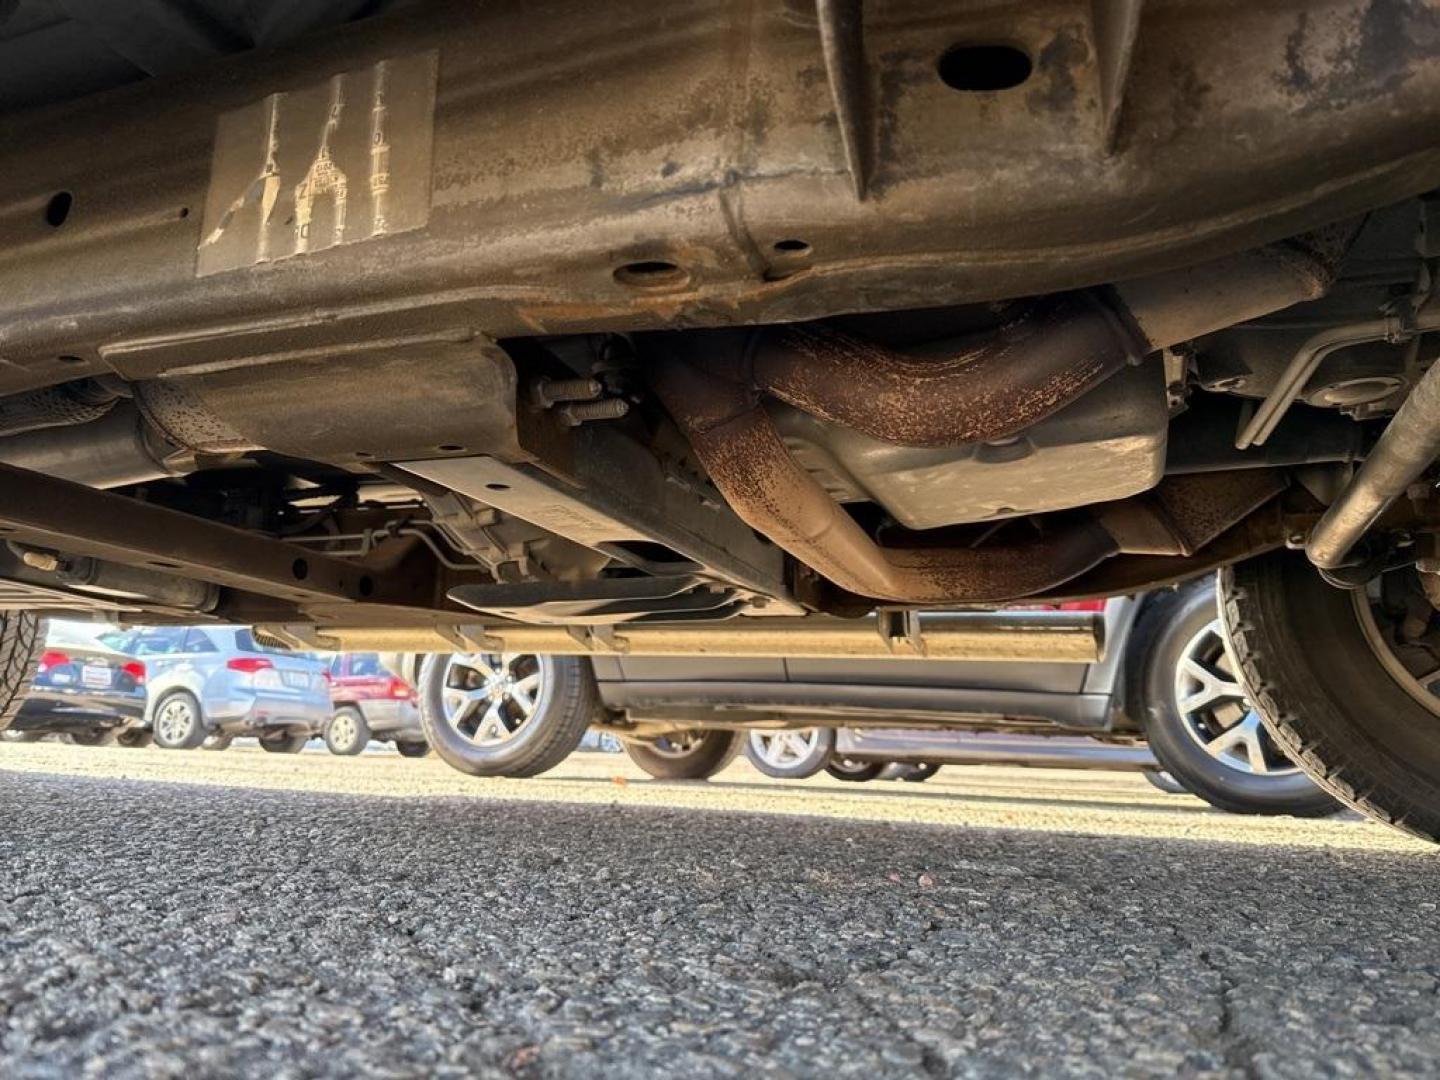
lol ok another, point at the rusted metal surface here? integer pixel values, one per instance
(1001, 381)
(1000, 384)
(572, 142)
(1184, 513)
(744, 456)
(988, 388)
(1202, 506)
(56, 406)
(1265, 530)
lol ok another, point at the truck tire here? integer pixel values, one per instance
(22, 640)
(1199, 722)
(1338, 686)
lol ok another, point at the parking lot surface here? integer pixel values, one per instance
(207, 914)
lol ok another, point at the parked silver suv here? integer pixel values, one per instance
(216, 682)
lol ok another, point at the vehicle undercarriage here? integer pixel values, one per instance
(586, 330)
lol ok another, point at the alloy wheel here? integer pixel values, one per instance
(489, 698)
(784, 749)
(175, 721)
(1217, 712)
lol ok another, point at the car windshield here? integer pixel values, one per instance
(155, 641)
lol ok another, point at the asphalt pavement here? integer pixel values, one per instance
(166, 914)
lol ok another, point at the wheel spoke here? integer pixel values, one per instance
(1254, 744)
(1222, 745)
(461, 705)
(523, 701)
(491, 726)
(1214, 689)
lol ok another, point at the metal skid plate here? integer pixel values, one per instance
(623, 502)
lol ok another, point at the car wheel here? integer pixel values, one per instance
(90, 738)
(1163, 781)
(413, 749)
(685, 755)
(1346, 680)
(911, 772)
(1199, 720)
(178, 723)
(11, 735)
(22, 640)
(858, 772)
(284, 744)
(347, 732)
(790, 755)
(217, 741)
(136, 738)
(511, 714)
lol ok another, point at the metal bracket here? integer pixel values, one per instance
(899, 629)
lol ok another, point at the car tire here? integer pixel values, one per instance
(413, 749)
(135, 738)
(1163, 781)
(534, 721)
(790, 755)
(911, 772)
(11, 735)
(91, 738)
(179, 724)
(688, 755)
(284, 744)
(1336, 698)
(855, 772)
(22, 640)
(217, 741)
(347, 733)
(1217, 747)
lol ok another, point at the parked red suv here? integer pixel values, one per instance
(371, 702)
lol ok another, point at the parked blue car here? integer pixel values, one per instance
(209, 684)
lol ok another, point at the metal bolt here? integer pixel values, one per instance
(577, 414)
(549, 392)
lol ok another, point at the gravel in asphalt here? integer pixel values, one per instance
(165, 929)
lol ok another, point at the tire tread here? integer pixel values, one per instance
(22, 639)
(1259, 650)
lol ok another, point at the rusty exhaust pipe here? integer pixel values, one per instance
(996, 384)
(985, 389)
